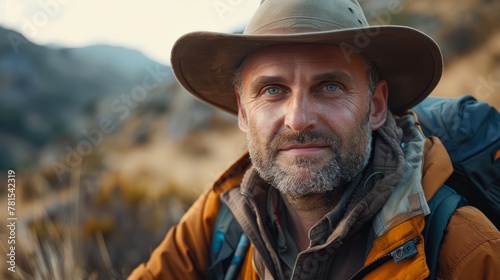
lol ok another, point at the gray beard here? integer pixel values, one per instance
(347, 161)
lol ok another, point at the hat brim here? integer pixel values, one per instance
(410, 61)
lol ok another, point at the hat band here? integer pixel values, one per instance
(296, 25)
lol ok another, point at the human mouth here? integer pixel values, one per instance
(304, 149)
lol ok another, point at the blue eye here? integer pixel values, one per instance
(331, 87)
(273, 90)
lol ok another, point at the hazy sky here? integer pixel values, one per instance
(151, 26)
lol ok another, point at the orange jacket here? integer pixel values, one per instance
(470, 250)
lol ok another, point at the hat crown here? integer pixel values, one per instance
(299, 16)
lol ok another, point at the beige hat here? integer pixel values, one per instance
(410, 61)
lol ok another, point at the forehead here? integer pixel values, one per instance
(316, 56)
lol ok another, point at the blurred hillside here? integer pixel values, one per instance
(55, 102)
(49, 95)
(98, 137)
(109, 150)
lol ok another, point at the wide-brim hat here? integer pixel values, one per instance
(410, 61)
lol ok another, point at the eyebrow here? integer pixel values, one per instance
(334, 75)
(266, 80)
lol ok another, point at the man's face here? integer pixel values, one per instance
(306, 112)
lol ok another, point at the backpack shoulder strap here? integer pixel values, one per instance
(229, 246)
(442, 205)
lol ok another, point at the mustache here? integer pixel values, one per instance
(283, 138)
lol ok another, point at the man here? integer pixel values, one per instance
(334, 184)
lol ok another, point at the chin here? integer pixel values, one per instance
(304, 168)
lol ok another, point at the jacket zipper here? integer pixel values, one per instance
(399, 254)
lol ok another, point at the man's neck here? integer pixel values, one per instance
(303, 212)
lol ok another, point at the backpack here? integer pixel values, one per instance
(470, 132)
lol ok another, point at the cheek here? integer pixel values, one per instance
(344, 113)
(338, 119)
(264, 118)
(345, 121)
(260, 130)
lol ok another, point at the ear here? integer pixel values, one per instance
(242, 119)
(378, 112)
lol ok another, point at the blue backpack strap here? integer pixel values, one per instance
(229, 246)
(443, 204)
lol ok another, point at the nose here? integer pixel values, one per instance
(300, 113)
